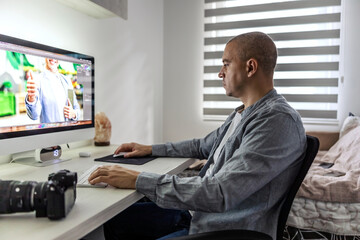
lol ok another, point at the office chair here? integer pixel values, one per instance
(311, 151)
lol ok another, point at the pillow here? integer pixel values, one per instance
(350, 123)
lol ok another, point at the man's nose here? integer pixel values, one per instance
(221, 74)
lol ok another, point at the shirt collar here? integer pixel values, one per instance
(248, 110)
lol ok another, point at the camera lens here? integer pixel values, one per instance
(4, 196)
(16, 196)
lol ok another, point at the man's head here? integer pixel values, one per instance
(248, 64)
(259, 46)
(52, 64)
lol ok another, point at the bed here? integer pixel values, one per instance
(328, 201)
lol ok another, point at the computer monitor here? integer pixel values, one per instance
(60, 80)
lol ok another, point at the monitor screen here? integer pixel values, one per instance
(43, 91)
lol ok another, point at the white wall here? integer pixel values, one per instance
(350, 87)
(183, 58)
(128, 57)
(183, 71)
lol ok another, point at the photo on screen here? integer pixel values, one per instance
(43, 91)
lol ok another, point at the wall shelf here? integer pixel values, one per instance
(99, 8)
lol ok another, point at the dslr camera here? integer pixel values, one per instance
(53, 199)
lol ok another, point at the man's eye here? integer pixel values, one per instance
(226, 64)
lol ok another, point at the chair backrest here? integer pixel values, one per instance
(311, 151)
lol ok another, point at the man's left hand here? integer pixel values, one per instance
(115, 175)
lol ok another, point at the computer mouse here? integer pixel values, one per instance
(84, 154)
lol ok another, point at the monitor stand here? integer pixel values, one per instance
(41, 157)
(32, 162)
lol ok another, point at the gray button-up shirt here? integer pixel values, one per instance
(254, 170)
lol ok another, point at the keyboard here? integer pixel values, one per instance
(83, 179)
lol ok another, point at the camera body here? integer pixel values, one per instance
(53, 199)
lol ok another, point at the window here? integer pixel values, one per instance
(307, 35)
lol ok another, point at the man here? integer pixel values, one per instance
(252, 158)
(49, 100)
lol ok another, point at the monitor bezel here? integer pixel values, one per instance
(30, 44)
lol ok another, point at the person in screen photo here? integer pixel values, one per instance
(50, 95)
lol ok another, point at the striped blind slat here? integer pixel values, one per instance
(326, 114)
(290, 67)
(290, 97)
(276, 6)
(306, 82)
(321, 34)
(323, 18)
(307, 35)
(327, 50)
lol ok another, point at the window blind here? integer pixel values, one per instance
(307, 35)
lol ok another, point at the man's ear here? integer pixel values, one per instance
(251, 67)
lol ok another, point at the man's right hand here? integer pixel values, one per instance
(134, 150)
(31, 87)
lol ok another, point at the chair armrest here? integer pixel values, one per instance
(326, 139)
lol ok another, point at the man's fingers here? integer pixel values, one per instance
(66, 109)
(98, 180)
(29, 75)
(126, 147)
(69, 103)
(68, 112)
(134, 150)
(30, 86)
(31, 90)
(30, 83)
(101, 170)
(94, 174)
(114, 175)
(131, 154)
(101, 174)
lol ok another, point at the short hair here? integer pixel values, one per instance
(259, 46)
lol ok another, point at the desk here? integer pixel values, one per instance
(93, 206)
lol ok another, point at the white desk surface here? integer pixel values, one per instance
(93, 206)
